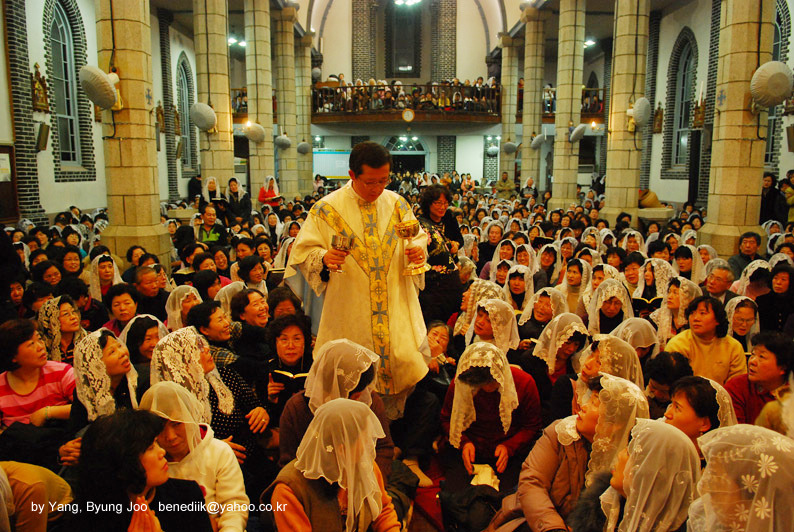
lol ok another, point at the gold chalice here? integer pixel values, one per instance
(408, 230)
(341, 243)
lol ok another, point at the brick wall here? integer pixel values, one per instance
(363, 58)
(686, 35)
(85, 109)
(447, 145)
(444, 22)
(602, 156)
(22, 111)
(650, 93)
(490, 165)
(711, 90)
(165, 18)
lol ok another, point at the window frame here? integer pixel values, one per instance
(683, 106)
(67, 92)
(183, 104)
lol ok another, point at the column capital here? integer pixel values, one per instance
(288, 14)
(532, 14)
(506, 41)
(307, 39)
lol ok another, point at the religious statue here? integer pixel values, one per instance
(160, 114)
(658, 118)
(177, 125)
(698, 115)
(38, 86)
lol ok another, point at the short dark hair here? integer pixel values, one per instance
(14, 333)
(36, 291)
(136, 335)
(200, 258)
(683, 252)
(620, 252)
(188, 251)
(635, 257)
(370, 153)
(97, 251)
(131, 249)
(784, 267)
(657, 246)
(751, 234)
(38, 271)
(779, 345)
(240, 301)
(716, 307)
(202, 281)
(280, 294)
(245, 241)
(246, 265)
(204, 208)
(277, 326)
(701, 396)
(201, 314)
(73, 287)
(430, 195)
(120, 289)
(476, 376)
(110, 466)
(148, 256)
(667, 367)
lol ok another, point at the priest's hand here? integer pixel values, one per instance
(415, 255)
(334, 258)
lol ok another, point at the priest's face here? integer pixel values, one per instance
(369, 184)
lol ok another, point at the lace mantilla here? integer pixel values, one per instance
(558, 304)
(566, 430)
(558, 331)
(503, 323)
(608, 288)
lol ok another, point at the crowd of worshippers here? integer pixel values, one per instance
(448, 95)
(593, 377)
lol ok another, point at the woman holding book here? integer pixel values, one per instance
(290, 338)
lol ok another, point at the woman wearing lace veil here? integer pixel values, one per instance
(699, 405)
(689, 264)
(519, 287)
(754, 280)
(551, 358)
(632, 241)
(743, 320)
(485, 383)
(655, 277)
(599, 274)
(550, 261)
(641, 335)
(140, 336)
(477, 291)
(577, 277)
(746, 485)
(569, 454)
(194, 453)
(333, 484)
(653, 482)
(505, 250)
(544, 305)
(179, 303)
(495, 322)
(670, 318)
(59, 324)
(707, 254)
(103, 274)
(609, 307)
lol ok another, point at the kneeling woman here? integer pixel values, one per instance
(334, 483)
(124, 473)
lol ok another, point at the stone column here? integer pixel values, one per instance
(130, 150)
(737, 156)
(509, 105)
(212, 77)
(259, 75)
(624, 147)
(303, 105)
(570, 58)
(285, 100)
(534, 63)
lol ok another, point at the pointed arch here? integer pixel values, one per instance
(185, 98)
(679, 104)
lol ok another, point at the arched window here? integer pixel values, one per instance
(684, 87)
(405, 143)
(771, 145)
(64, 85)
(183, 97)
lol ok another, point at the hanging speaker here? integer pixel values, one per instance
(44, 136)
(178, 154)
(790, 137)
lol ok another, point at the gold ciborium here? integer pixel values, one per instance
(407, 230)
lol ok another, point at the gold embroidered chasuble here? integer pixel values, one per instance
(372, 303)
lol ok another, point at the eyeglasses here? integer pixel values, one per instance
(741, 321)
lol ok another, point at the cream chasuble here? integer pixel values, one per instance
(372, 303)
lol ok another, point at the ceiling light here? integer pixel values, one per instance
(498, 137)
(232, 40)
(404, 68)
(588, 43)
(404, 139)
(414, 138)
(318, 139)
(241, 43)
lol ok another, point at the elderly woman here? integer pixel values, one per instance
(180, 301)
(59, 323)
(194, 453)
(670, 318)
(743, 319)
(652, 485)
(775, 307)
(543, 306)
(491, 413)
(477, 291)
(561, 339)
(610, 306)
(290, 342)
(104, 273)
(122, 464)
(342, 369)
(746, 485)
(569, 454)
(711, 352)
(333, 484)
(697, 406)
(494, 322)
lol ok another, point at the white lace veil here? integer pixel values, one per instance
(176, 358)
(595, 232)
(339, 446)
(558, 331)
(336, 370)
(558, 304)
(205, 189)
(662, 273)
(610, 272)
(484, 234)
(593, 254)
(92, 379)
(587, 274)
(698, 273)
(485, 355)
(725, 413)
(495, 259)
(162, 330)
(638, 332)
(555, 274)
(225, 295)
(717, 262)
(469, 241)
(653, 237)
(495, 267)
(749, 270)
(478, 290)
(617, 358)
(663, 317)
(280, 260)
(746, 484)
(604, 233)
(268, 179)
(274, 234)
(622, 403)
(94, 287)
(730, 309)
(173, 305)
(686, 235)
(533, 259)
(171, 401)
(608, 288)
(711, 251)
(503, 323)
(529, 284)
(637, 235)
(50, 327)
(659, 480)
(777, 258)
